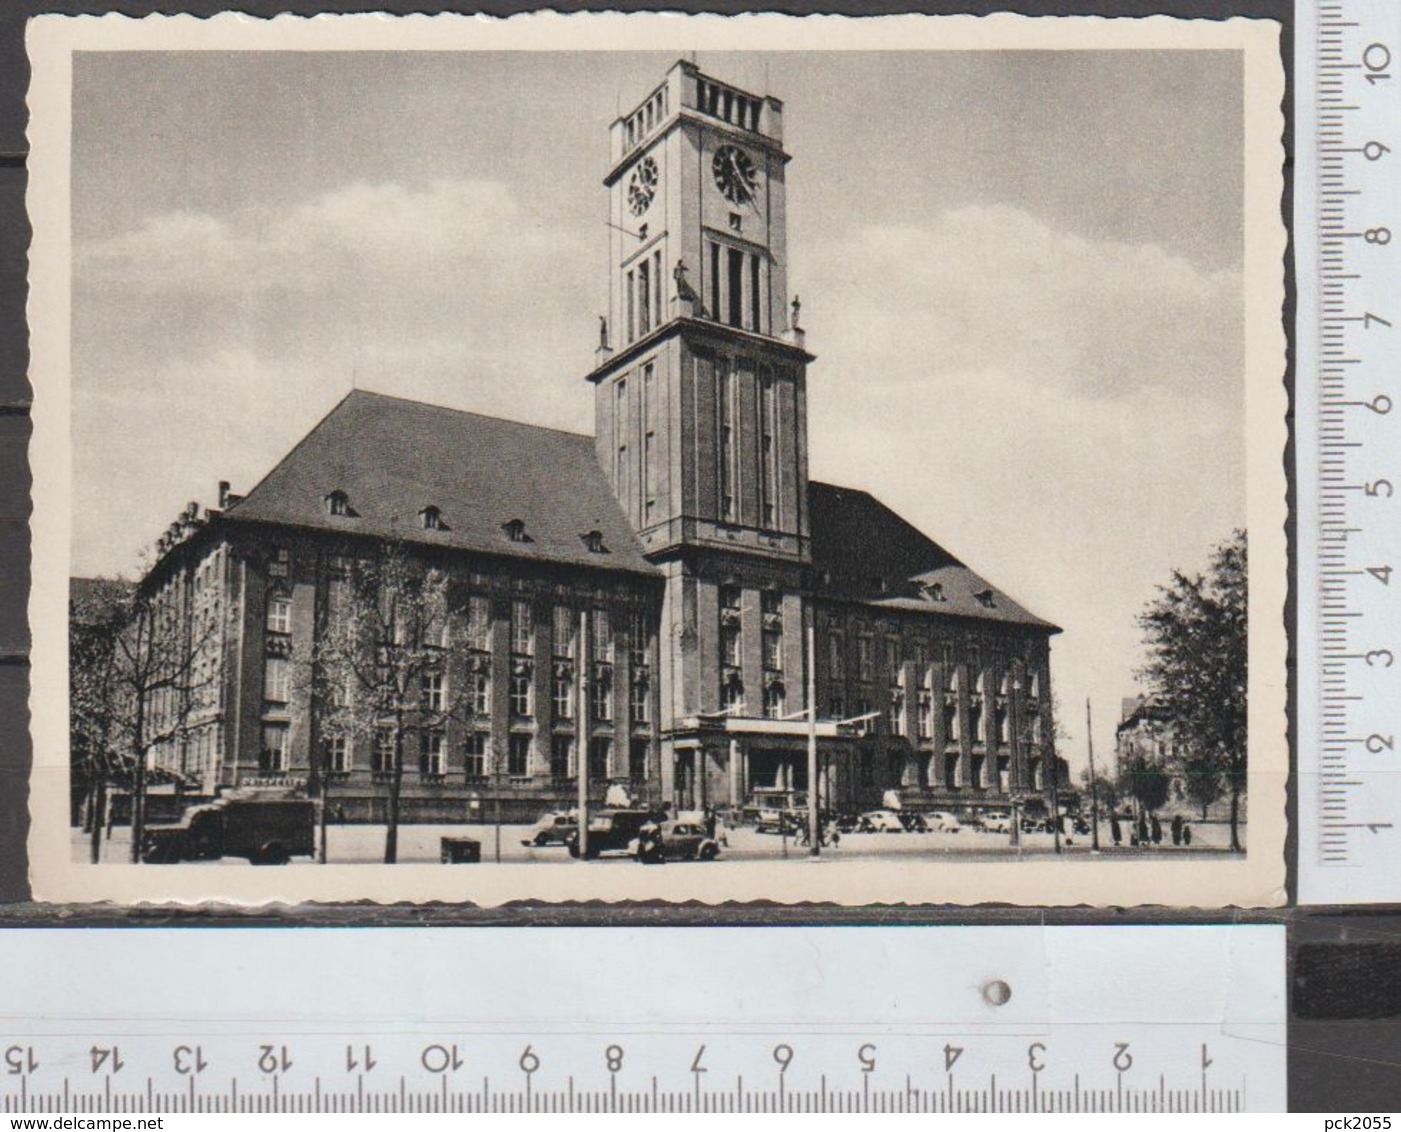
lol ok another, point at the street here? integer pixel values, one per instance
(421, 844)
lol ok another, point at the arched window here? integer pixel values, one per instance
(338, 503)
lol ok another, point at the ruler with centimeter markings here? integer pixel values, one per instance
(936, 1019)
(1348, 413)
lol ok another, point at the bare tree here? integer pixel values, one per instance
(136, 683)
(377, 668)
(96, 615)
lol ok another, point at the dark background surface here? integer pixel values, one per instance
(1345, 1027)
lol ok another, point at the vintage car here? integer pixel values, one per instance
(675, 841)
(996, 821)
(265, 831)
(880, 821)
(610, 831)
(941, 821)
(552, 828)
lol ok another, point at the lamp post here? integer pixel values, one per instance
(814, 812)
(1094, 782)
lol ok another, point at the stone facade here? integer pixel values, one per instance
(690, 531)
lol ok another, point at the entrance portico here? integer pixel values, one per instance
(737, 761)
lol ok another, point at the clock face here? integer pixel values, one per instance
(643, 186)
(735, 176)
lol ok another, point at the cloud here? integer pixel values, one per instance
(1063, 413)
(436, 227)
(995, 287)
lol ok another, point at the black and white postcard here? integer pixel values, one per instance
(612, 457)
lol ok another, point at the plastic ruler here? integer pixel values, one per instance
(1348, 421)
(970, 1019)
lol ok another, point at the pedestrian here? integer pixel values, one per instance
(710, 823)
(1157, 829)
(1142, 828)
(1186, 833)
(1177, 829)
(1115, 831)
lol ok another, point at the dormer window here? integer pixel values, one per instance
(431, 519)
(594, 541)
(515, 530)
(338, 504)
(985, 599)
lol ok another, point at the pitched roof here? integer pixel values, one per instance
(393, 458)
(863, 551)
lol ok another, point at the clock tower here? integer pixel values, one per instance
(701, 399)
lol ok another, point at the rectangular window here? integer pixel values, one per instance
(715, 281)
(892, 655)
(277, 674)
(649, 454)
(864, 667)
(755, 296)
(382, 752)
(274, 760)
(637, 761)
(434, 692)
(657, 288)
(926, 713)
(835, 661)
(836, 707)
(774, 701)
(735, 285)
(280, 615)
(522, 628)
(430, 754)
(562, 758)
(479, 622)
(601, 693)
(731, 693)
(730, 645)
(632, 317)
(565, 634)
(335, 750)
(639, 696)
(518, 756)
(479, 692)
(773, 650)
(602, 636)
(637, 639)
(644, 298)
(600, 751)
(768, 451)
(563, 697)
(724, 403)
(897, 710)
(474, 756)
(521, 706)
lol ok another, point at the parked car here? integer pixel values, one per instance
(675, 841)
(913, 821)
(266, 831)
(997, 821)
(610, 831)
(879, 821)
(768, 820)
(941, 821)
(552, 828)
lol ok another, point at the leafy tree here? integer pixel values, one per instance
(378, 665)
(1146, 780)
(1101, 788)
(1203, 778)
(1196, 634)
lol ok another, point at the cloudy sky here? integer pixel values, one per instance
(1020, 271)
